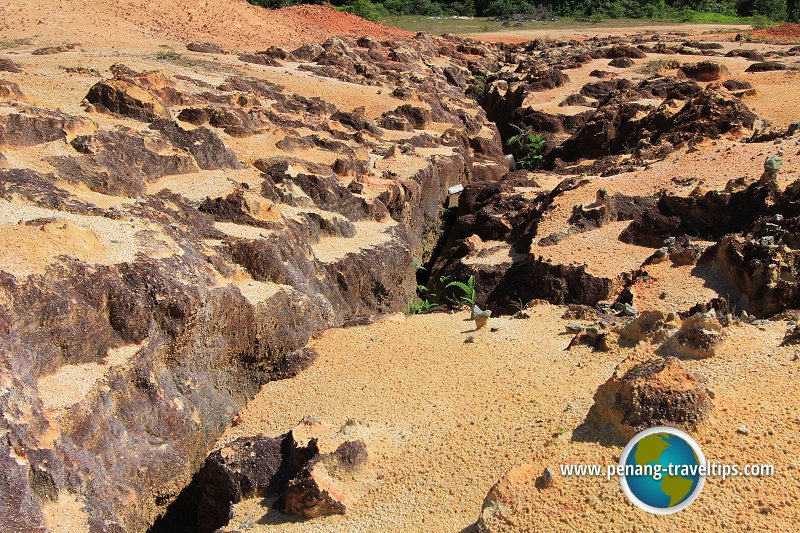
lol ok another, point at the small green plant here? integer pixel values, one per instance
(168, 55)
(651, 68)
(468, 290)
(531, 145)
(520, 305)
(13, 43)
(415, 308)
(478, 85)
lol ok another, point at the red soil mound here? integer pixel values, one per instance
(328, 21)
(233, 24)
(784, 32)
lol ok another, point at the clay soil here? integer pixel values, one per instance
(444, 419)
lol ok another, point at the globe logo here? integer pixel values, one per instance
(662, 470)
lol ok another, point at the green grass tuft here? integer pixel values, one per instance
(13, 43)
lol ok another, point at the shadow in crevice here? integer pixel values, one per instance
(472, 528)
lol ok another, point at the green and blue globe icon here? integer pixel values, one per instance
(662, 468)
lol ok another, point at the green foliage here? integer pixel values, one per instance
(13, 43)
(651, 68)
(365, 9)
(414, 7)
(168, 55)
(415, 308)
(757, 12)
(793, 10)
(468, 289)
(531, 146)
(506, 8)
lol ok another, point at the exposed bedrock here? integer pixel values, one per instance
(491, 240)
(156, 314)
(649, 393)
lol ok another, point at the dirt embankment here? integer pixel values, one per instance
(232, 24)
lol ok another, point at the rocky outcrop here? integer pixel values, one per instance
(7, 65)
(319, 489)
(696, 338)
(654, 392)
(305, 481)
(704, 71)
(618, 125)
(766, 66)
(202, 269)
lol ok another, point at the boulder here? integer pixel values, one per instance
(624, 50)
(653, 392)
(248, 466)
(704, 71)
(328, 483)
(127, 98)
(207, 148)
(308, 52)
(737, 85)
(696, 338)
(454, 76)
(7, 65)
(12, 91)
(31, 126)
(792, 336)
(651, 325)
(205, 48)
(621, 62)
(259, 59)
(766, 66)
(750, 55)
(276, 53)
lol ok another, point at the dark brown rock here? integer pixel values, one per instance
(750, 55)
(704, 71)
(50, 50)
(124, 153)
(31, 126)
(623, 50)
(308, 52)
(12, 91)
(127, 98)
(7, 65)
(621, 62)
(249, 466)
(276, 53)
(259, 59)
(766, 66)
(205, 48)
(418, 117)
(737, 85)
(208, 150)
(317, 489)
(655, 392)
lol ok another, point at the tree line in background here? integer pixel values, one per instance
(679, 10)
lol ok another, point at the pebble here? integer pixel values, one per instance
(469, 340)
(711, 393)
(547, 477)
(742, 430)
